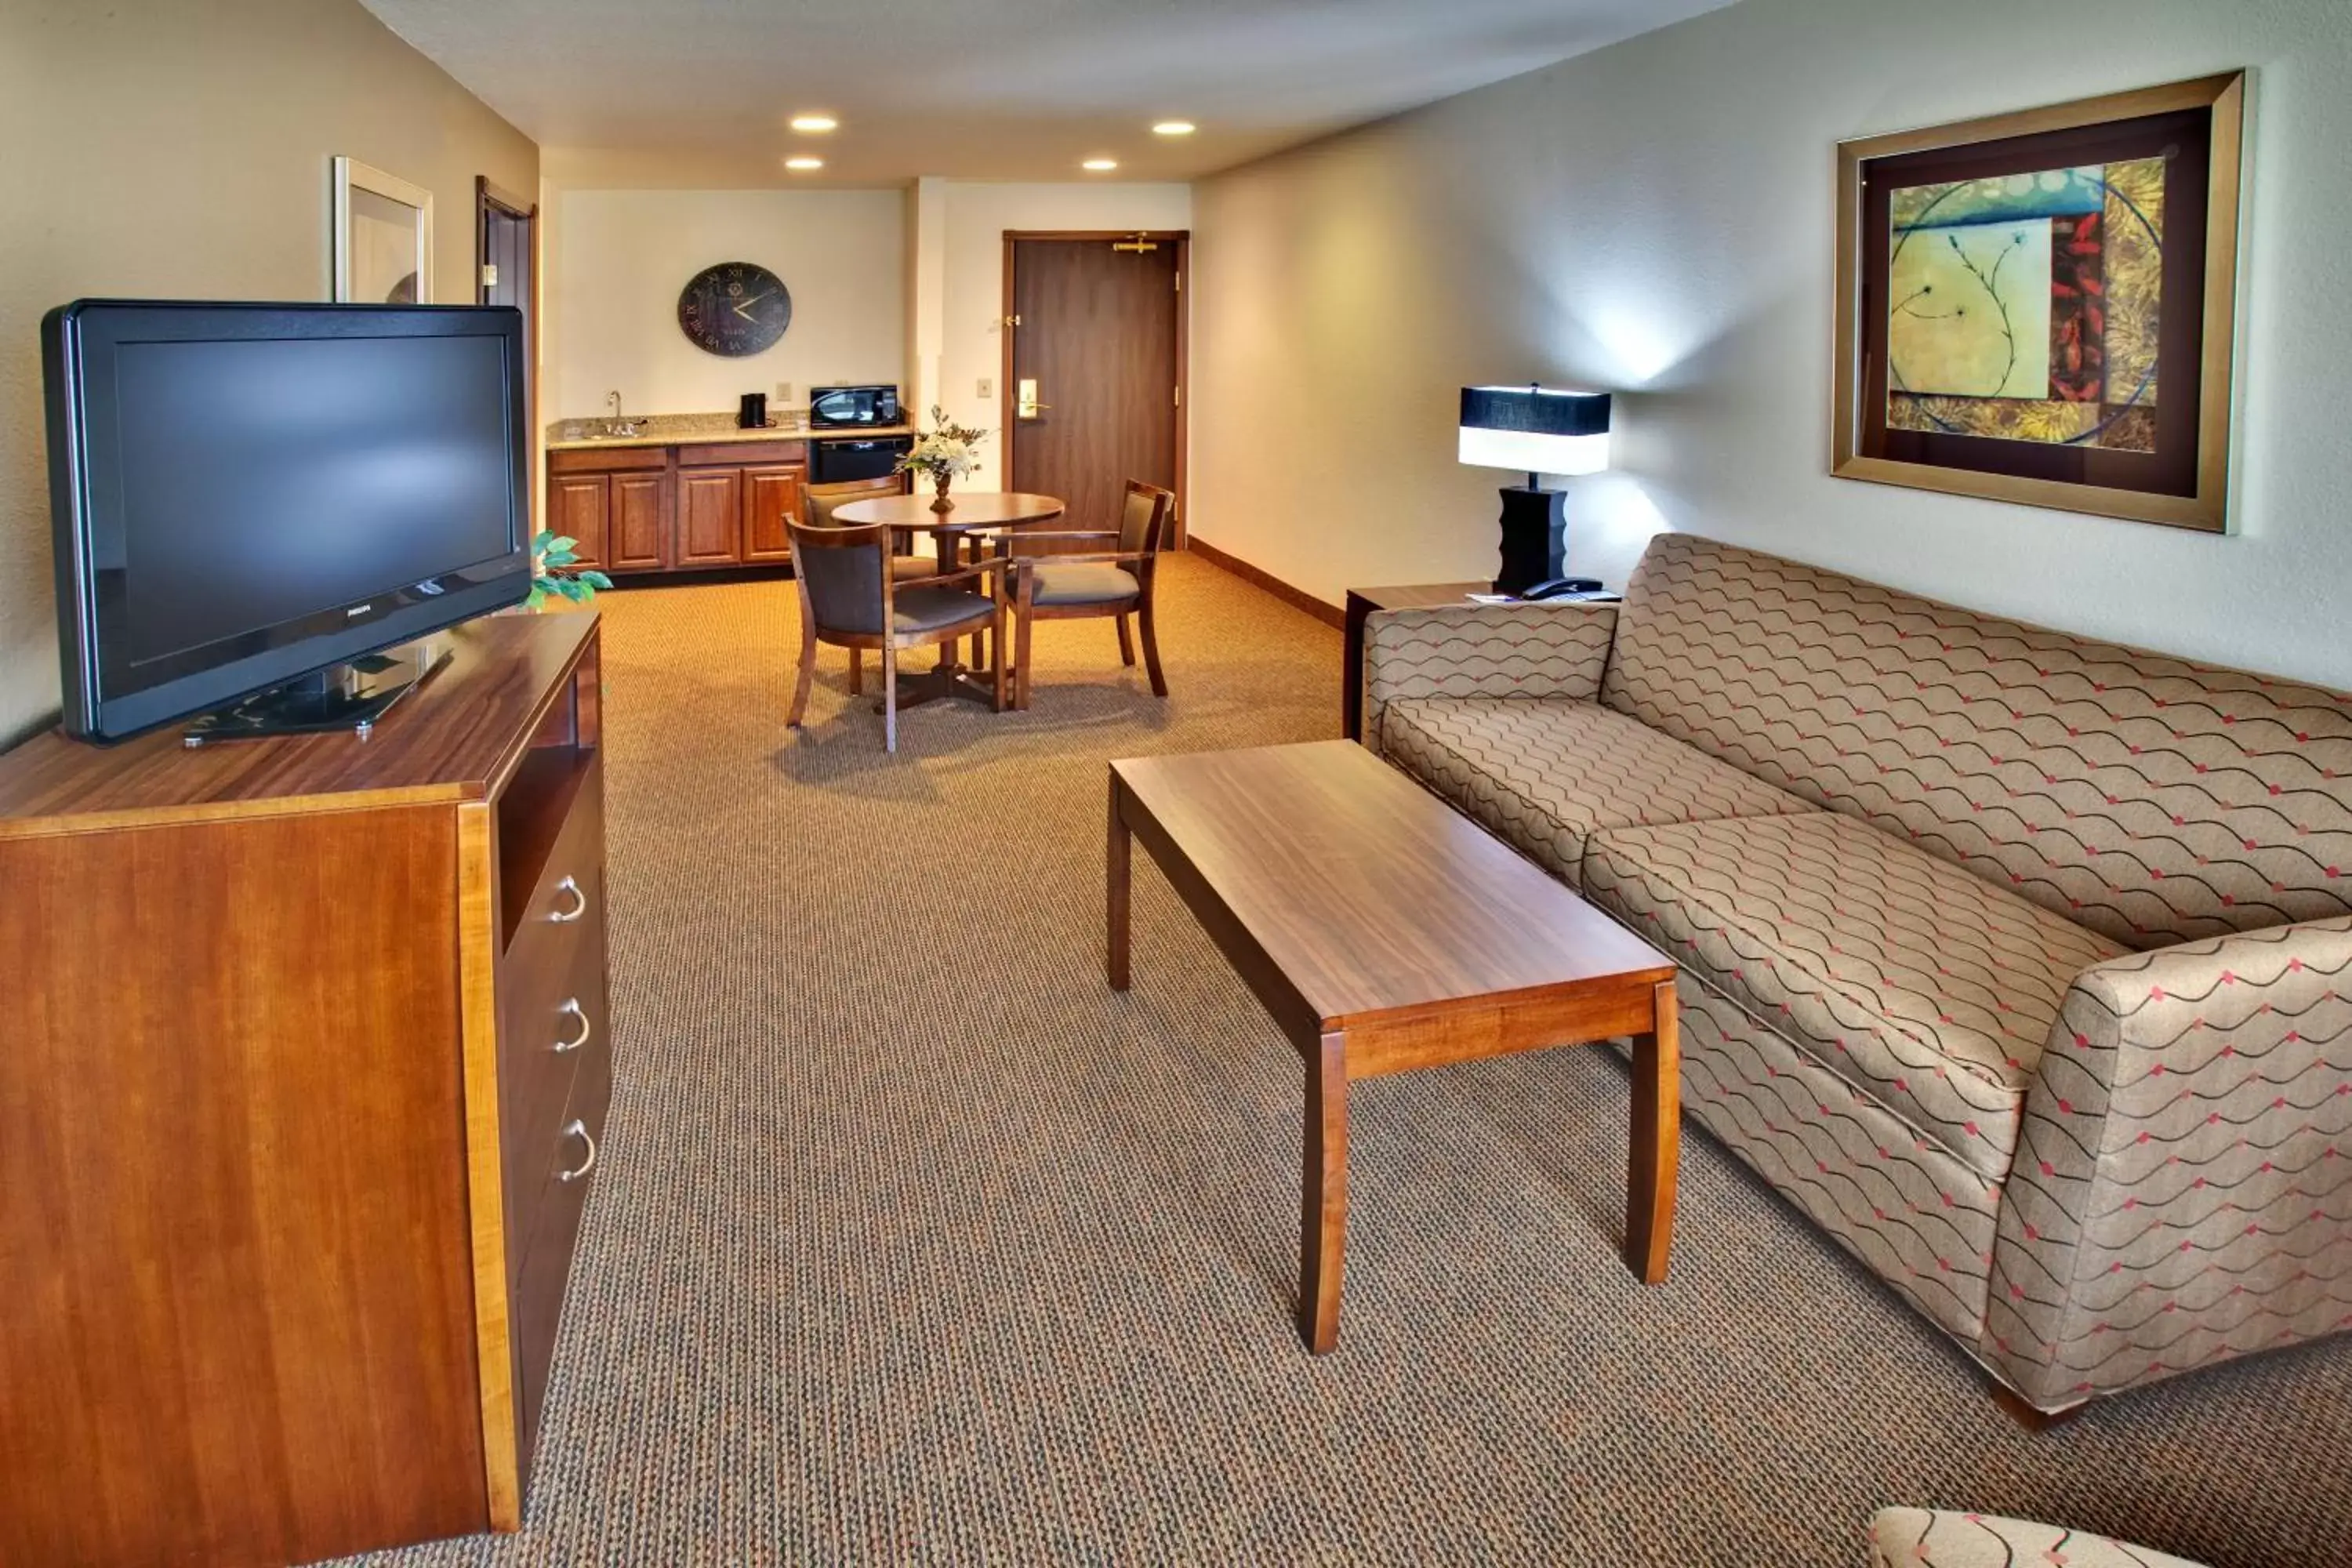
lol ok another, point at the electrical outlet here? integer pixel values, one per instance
(987, 387)
(784, 392)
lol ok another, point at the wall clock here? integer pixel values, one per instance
(734, 309)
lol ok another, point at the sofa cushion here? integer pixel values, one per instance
(1923, 987)
(2152, 798)
(1542, 775)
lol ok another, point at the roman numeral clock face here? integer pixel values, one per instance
(734, 309)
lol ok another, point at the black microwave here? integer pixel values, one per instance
(851, 407)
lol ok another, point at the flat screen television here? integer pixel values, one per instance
(247, 495)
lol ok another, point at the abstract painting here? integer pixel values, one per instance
(2029, 305)
(2024, 306)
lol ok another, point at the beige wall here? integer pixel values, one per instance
(616, 260)
(1655, 219)
(163, 149)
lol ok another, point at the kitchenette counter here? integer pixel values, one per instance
(688, 492)
(699, 429)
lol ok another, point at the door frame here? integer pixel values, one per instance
(489, 198)
(1181, 239)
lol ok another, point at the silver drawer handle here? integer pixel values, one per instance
(579, 1129)
(573, 1008)
(579, 906)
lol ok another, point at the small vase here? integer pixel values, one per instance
(941, 503)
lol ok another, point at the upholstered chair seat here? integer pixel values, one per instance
(927, 609)
(1084, 584)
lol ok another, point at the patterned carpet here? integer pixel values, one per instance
(911, 1242)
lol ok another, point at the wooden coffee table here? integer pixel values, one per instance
(1384, 932)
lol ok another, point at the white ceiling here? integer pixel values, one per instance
(697, 92)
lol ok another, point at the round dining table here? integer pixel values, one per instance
(974, 512)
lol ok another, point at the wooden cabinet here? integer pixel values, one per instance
(710, 517)
(770, 495)
(640, 522)
(579, 506)
(684, 508)
(306, 1075)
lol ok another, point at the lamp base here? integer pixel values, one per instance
(1535, 524)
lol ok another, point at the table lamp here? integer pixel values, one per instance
(1539, 431)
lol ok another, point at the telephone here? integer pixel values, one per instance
(1561, 587)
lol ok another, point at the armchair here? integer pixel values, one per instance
(905, 564)
(851, 598)
(1116, 583)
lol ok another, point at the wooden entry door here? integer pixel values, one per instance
(1096, 321)
(504, 234)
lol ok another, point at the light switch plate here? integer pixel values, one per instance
(987, 387)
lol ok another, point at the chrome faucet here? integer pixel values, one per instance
(616, 425)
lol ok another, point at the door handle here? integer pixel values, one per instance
(1026, 406)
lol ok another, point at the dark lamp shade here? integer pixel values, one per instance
(1535, 429)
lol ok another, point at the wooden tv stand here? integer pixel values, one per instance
(303, 1060)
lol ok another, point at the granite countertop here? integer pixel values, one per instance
(697, 429)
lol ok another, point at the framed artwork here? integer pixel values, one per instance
(2039, 307)
(383, 237)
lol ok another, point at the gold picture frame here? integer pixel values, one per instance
(2173, 465)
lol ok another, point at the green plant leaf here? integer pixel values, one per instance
(573, 589)
(595, 580)
(538, 595)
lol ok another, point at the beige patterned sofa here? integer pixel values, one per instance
(2016, 960)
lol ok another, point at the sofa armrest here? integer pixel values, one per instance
(1541, 650)
(1918, 1538)
(2183, 1186)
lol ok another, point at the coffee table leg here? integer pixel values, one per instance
(1117, 880)
(1656, 1141)
(1323, 1229)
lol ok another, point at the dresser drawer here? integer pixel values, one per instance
(551, 1006)
(573, 1165)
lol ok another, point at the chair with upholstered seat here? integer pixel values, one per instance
(905, 567)
(1116, 583)
(851, 597)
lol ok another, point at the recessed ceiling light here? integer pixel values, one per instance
(815, 122)
(803, 165)
(1174, 128)
(1099, 166)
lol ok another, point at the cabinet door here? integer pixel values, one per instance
(710, 517)
(579, 506)
(640, 522)
(770, 495)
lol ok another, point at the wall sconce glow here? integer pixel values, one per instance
(1174, 128)
(1099, 166)
(803, 166)
(816, 124)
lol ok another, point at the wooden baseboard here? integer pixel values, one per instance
(1296, 598)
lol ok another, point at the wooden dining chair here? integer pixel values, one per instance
(851, 598)
(1112, 584)
(823, 503)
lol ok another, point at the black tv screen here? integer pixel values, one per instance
(243, 494)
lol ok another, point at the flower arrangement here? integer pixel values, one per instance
(944, 454)
(555, 569)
